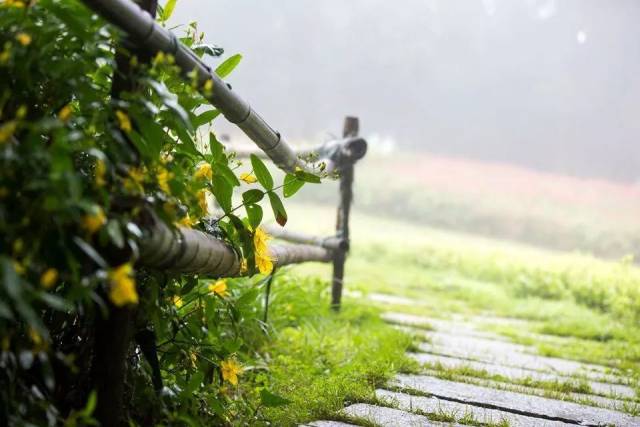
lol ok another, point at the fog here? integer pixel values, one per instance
(545, 84)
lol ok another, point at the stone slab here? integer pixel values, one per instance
(534, 406)
(390, 417)
(519, 373)
(435, 405)
(323, 423)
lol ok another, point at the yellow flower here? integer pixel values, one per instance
(23, 38)
(35, 337)
(49, 278)
(202, 200)
(263, 258)
(186, 221)
(123, 121)
(203, 171)
(6, 53)
(219, 288)
(135, 179)
(243, 266)
(14, 3)
(65, 113)
(101, 170)
(159, 58)
(18, 246)
(6, 130)
(208, 85)
(230, 371)
(248, 178)
(193, 358)
(21, 112)
(93, 222)
(177, 301)
(164, 176)
(122, 289)
(18, 268)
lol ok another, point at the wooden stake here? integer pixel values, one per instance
(351, 129)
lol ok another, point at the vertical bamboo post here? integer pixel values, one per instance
(113, 334)
(350, 129)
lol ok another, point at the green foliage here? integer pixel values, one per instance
(94, 140)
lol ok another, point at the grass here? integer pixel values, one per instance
(322, 361)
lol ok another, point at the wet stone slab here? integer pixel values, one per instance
(434, 405)
(390, 417)
(584, 399)
(452, 326)
(464, 348)
(323, 423)
(532, 406)
(518, 373)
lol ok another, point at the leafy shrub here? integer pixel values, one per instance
(94, 138)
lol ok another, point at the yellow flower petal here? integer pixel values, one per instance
(202, 201)
(230, 371)
(93, 222)
(101, 170)
(123, 121)
(219, 288)
(23, 38)
(122, 286)
(203, 171)
(164, 176)
(49, 278)
(263, 258)
(248, 178)
(65, 113)
(177, 301)
(6, 130)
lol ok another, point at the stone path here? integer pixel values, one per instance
(474, 377)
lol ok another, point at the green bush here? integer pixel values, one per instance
(93, 137)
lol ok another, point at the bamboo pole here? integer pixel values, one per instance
(185, 250)
(351, 128)
(333, 154)
(332, 242)
(142, 30)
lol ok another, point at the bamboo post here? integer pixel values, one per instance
(351, 129)
(113, 333)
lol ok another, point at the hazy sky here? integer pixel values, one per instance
(549, 84)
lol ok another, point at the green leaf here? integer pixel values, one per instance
(115, 233)
(253, 196)
(195, 382)
(90, 252)
(254, 214)
(262, 173)
(307, 177)
(291, 185)
(204, 118)
(216, 147)
(272, 400)
(167, 10)
(221, 168)
(224, 69)
(223, 192)
(278, 208)
(191, 283)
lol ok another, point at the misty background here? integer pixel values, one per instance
(552, 85)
